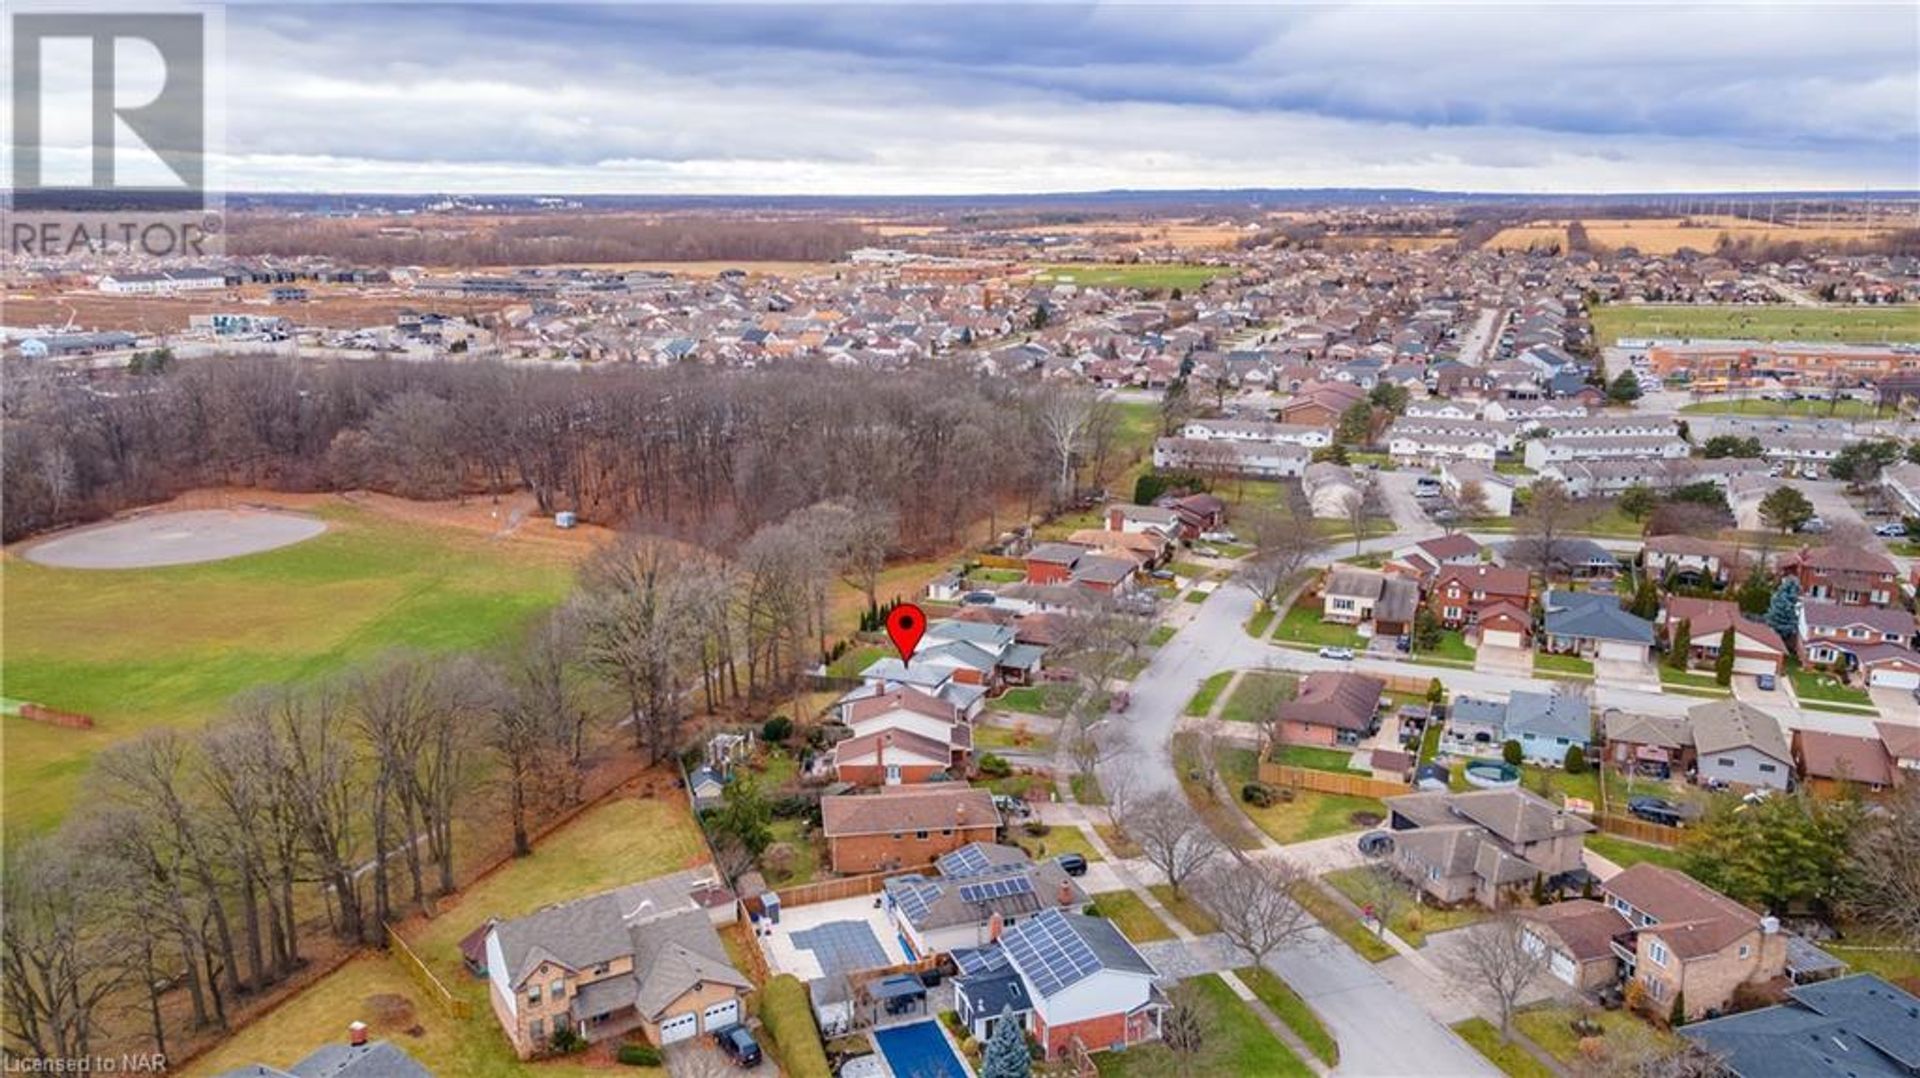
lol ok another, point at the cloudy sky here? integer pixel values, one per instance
(953, 99)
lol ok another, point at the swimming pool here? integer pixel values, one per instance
(919, 1050)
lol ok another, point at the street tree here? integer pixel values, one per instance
(1501, 960)
(1284, 540)
(1252, 901)
(1171, 836)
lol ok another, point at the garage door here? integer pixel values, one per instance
(1622, 652)
(1894, 678)
(1562, 967)
(679, 1027)
(721, 1014)
(1745, 665)
(1500, 638)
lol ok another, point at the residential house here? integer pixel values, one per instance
(1484, 846)
(1757, 649)
(1258, 430)
(1902, 485)
(1577, 559)
(1379, 603)
(976, 893)
(1689, 561)
(1832, 764)
(1858, 637)
(1496, 491)
(644, 957)
(1474, 723)
(1259, 460)
(1553, 449)
(1144, 519)
(902, 736)
(1109, 575)
(1425, 447)
(1332, 708)
(1503, 625)
(1647, 745)
(1850, 576)
(1198, 513)
(1661, 927)
(1902, 743)
(904, 826)
(1460, 592)
(1320, 404)
(1547, 724)
(1428, 556)
(358, 1058)
(1053, 563)
(1738, 744)
(1330, 489)
(1850, 1027)
(1070, 980)
(1593, 625)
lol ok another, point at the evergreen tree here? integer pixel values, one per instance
(1755, 594)
(1723, 663)
(1646, 598)
(1681, 643)
(1783, 612)
(1625, 388)
(1005, 1055)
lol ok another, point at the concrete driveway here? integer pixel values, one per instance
(1495, 659)
(1896, 705)
(1625, 674)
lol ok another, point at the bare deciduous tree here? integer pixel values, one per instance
(1065, 416)
(1171, 836)
(1505, 961)
(1886, 868)
(1284, 540)
(1252, 901)
(56, 967)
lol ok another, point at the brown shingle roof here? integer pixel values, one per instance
(1693, 919)
(1584, 926)
(904, 699)
(1339, 699)
(907, 810)
(1836, 756)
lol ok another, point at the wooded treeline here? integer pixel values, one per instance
(695, 452)
(545, 240)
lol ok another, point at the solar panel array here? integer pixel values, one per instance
(974, 961)
(1003, 887)
(968, 860)
(916, 899)
(1050, 952)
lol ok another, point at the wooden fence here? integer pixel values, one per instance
(1328, 782)
(422, 976)
(1000, 561)
(51, 717)
(1637, 829)
(806, 894)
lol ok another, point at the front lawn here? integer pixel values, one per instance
(1337, 919)
(1813, 685)
(1185, 910)
(1017, 736)
(1551, 1028)
(1260, 624)
(1086, 790)
(1512, 1059)
(1131, 916)
(1302, 624)
(1210, 690)
(1059, 839)
(1687, 679)
(1235, 1041)
(1570, 665)
(1308, 815)
(1258, 691)
(1052, 698)
(1452, 647)
(1292, 1010)
(1627, 853)
(1413, 921)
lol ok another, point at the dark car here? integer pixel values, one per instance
(1655, 810)
(738, 1044)
(1073, 863)
(1376, 843)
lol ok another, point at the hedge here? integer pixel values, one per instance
(787, 1012)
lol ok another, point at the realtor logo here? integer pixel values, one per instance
(111, 116)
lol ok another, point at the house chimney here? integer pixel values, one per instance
(1769, 925)
(960, 813)
(1066, 892)
(994, 927)
(357, 1034)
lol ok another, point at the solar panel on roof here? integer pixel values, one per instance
(1004, 887)
(1049, 951)
(968, 860)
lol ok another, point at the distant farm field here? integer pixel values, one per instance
(1769, 323)
(1118, 275)
(140, 648)
(1665, 235)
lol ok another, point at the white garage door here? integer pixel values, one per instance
(1562, 967)
(1891, 678)
(721, 1014)
(1500, 638)
(1745, 665)
(1621, 651)
(679, 1027)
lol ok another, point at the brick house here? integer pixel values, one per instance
(1331, 708)
(1067, 979)
(1757, 649)
(1849, 576)
(902, 736)
(1832, 632)
(1052, 563)
(905, 826)
(1482, 846)
(1459, 593)
(1835, 764)
(641, 957)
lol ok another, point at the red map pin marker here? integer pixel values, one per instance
(906, 625)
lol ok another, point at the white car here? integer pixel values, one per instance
(1336, 653)
(1219, 537)
(1890, 531)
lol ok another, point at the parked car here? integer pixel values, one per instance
(1765, 682)
(1891, 531)
(1336, 653)
(1814, 526)
(1162, 574)
(1011, 806)
(1219, 537)
(1073, 864)
(1655, 810)
(738, 1044)
(1376, 843)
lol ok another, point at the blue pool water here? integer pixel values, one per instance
(920, 1051)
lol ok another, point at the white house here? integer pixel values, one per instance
(1065, 977)
(1495, 489)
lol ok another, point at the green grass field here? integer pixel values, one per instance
(1117, 275)
(1627, 853)
(1208, 694)
(1509, 1057)
(1846, 409)
(1235, 1041)
(1134, 918)
(1293, 1010)
(1772, 323)
(141, 648)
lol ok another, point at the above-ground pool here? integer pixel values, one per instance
(919, 1051)
(1492, 775)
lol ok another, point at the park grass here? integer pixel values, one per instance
(1627, 853)
(1804, 409)
(1293, 1010)
(1236, 1042)
(1185, 910)
(1209, 692)
(1342, 922)
(1134, 918)
(1568, 665)
(143, 648)
(1413, 921)
(1512, 1059)
(1117, 275)
(1813, 685)
(1256, 686)
(1302, 624)
(1551, 1029)
(1309, 815)
(1771, 323)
